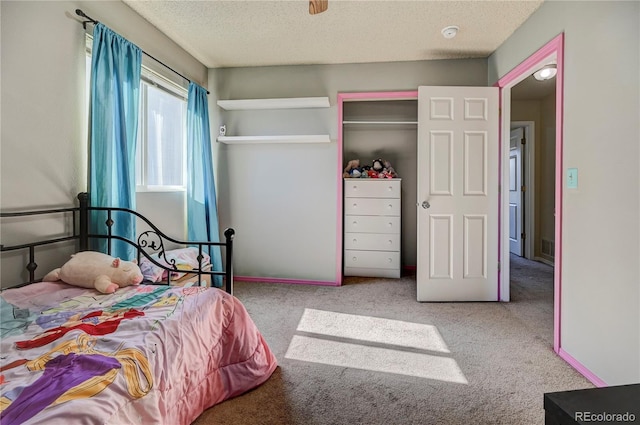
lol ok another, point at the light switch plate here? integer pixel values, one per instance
(572, 178)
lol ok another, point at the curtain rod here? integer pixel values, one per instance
(79, 12)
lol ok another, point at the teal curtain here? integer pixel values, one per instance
(115, 93)
(202, 211)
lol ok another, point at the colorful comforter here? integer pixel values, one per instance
(143, 355)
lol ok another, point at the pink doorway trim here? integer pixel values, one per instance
(553, 47)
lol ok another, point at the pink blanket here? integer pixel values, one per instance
(144, 355)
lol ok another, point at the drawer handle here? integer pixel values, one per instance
(390, 224)
(390, 206)
(390, 260)
(390, 241)
(355, 222)
(390, 188)
(355, 258)
(356, 241)
(355, 205)
(355, 187)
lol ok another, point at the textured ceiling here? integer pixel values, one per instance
(282, 32)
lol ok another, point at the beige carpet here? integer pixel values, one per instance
(368, 353)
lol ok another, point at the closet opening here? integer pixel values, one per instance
(372, 127)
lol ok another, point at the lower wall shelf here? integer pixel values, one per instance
(314, 138)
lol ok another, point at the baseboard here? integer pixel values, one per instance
(581, 368)
(545, 261)
(284, 280)
(407, 269)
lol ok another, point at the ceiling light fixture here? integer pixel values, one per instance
(547, 72)
(450, 31)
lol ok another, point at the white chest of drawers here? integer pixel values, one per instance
(372, 227)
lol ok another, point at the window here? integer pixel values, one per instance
(161, 146)
(162, 139)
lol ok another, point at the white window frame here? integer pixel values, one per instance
(150, 77)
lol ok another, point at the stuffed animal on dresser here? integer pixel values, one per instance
(352, 169)
(377, 165)
(388, 169)
(89, 269)
(367, 171)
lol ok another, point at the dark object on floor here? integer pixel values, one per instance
(619, 404)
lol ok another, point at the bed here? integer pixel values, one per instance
(156, 353)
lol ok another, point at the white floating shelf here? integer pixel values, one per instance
(282, 103)
(314, 138)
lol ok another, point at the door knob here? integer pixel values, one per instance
(426, 204)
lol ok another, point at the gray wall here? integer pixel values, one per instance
(600, 310)
(43, 136)
(281, 199)
(545, 175)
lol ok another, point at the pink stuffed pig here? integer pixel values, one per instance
(89, 269)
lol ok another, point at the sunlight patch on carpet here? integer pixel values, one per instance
(374, 344)
(377, 359)
(372, 329)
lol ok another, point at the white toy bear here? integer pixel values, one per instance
(89, 269)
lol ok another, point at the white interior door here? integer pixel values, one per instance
(516, 192)
(457, 249)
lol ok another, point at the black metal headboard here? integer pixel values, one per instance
(148, 242)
